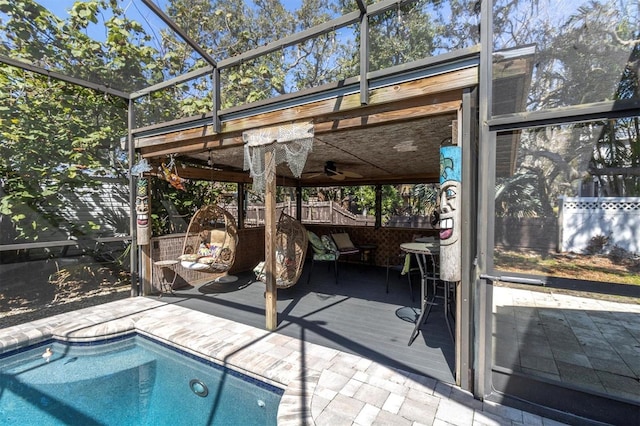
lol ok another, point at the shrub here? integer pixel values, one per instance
(597, 244)
(618, 254)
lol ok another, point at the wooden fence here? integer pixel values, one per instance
(313, 212)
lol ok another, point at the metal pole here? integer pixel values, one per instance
(133, 252)
(483, 294)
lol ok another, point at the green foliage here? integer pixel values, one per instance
(618, 146)
(124, 60)
(421, 29)
(55, 139)
(185, 203)
(399, 36)
(518, 196)
(391, 200)
(424, 198)
(408, 200)
(229, 28)
(365, 197)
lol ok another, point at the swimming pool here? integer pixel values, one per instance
(128, 381)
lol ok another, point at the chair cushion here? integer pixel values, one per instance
(343, 241)
(196, 266)
(407, 264)
(316, 243)
(207, 251)
(325, 256)
(259, 270)
(329, 244)
(189, 257)
(217, 237)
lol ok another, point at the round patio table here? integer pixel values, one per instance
(162, 267)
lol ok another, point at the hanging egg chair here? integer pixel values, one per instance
(291, 249)
(211, 240)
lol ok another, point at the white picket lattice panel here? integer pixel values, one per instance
(582, 218)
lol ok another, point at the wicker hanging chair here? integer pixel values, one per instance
(211, 240)
(291, 249)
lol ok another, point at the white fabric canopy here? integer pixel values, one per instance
(290, 143)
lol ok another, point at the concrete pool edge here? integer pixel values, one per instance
(321, 385)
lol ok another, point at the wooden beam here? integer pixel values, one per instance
(191, 141)
(271, 310)
(438, 84)
(189, 146)
(615, 171)
(198, 135)
(433, 177)
(196, 173)
(285, 181)
(146, 270)
(418, 98)
(432, 104)
(386, 117)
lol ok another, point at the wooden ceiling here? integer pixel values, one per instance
(394, 139)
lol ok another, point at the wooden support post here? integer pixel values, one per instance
(143, 234)
(271, 310)
(146, 271)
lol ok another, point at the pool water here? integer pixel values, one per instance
(128, 381)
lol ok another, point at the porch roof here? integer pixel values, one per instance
(395, 138)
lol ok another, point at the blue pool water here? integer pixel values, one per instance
(128, 381)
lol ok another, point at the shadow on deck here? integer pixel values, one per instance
(355, 316)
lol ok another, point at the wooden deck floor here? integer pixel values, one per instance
(356, 316)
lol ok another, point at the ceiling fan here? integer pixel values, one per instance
(331, 171)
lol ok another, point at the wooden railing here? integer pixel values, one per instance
(313, 212)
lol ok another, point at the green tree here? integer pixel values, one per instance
(229, 28)
(56, 137)
(590, 55)
(517, 196)
(123, 60)
(420, 29)
(424, 198)
(195, 195)
(618, 148)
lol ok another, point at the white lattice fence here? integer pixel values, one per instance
(582, 218)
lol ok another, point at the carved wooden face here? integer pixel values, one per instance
(449, 212)
(142, 203)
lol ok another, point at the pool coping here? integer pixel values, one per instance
(321, 385)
